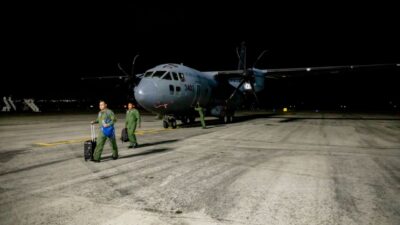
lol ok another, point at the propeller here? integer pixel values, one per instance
(131, 78)
(248, 73)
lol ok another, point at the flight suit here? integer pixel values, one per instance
(106, 115)
(131, 121)
(200, 110)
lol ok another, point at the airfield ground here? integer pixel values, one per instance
(295, 168)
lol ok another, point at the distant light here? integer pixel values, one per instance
(308, 69)
(398, 64)
(247, 86)
(284, 76)
(351, 67)
(91, 106)
(285, 109)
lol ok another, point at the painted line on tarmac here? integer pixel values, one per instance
(73, 141)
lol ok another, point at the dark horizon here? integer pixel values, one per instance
(57, 44)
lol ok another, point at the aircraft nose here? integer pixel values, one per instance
(146, 94)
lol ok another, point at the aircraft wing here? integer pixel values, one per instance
(104, 77)
(110, 77)
(289, 72)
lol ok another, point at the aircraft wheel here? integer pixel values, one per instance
(173, 123)
(165, 124)
(225, 119)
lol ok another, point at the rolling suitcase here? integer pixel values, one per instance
(90, 145)
(124, 135)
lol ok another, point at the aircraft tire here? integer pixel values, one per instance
(165, 124)
(173, 124)
(225, 119)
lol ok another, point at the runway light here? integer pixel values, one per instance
(285, 109)
(308, 69)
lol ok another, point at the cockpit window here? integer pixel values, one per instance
(182, 77)
(148, 74)
(158, 73)
(175, 75)
(167, 76)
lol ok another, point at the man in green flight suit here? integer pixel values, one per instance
(107, 119)
(131, 121)
(201, 113)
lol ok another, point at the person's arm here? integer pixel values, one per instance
(139, 119)
(113, 118)
(96, 120)
(126, 119)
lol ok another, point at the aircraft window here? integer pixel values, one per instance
(167, 76)
(148, 74)
(175, 75)
(171, 89)
(178, 89)
(158, 73)
(182, 77)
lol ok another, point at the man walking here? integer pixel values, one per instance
(201, 114)
(131, 121)
(107, 120)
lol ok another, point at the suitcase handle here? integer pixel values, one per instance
(92, 132)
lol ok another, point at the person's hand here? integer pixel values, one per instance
(106, 125)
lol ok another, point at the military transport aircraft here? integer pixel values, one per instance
(172, 90)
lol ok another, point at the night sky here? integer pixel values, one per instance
(58, 43)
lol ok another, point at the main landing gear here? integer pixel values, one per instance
(170, 120)
(227, 117)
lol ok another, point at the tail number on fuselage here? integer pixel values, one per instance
(189, 87)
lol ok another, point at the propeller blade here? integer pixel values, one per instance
(259, 57)
(253, 90)
(123, 71)
(237, 88)
(133, 64)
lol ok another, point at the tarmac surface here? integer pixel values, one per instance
(295, 168)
